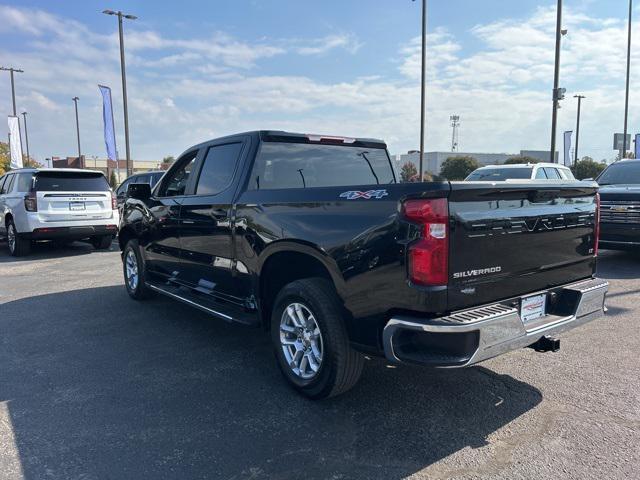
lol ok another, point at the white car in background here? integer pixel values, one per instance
(56, 204)
(529, 171)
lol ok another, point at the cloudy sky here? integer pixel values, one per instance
(199, 69)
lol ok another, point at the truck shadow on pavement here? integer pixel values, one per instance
(99, 386)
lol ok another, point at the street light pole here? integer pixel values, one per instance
(579, 97)
(626, 102)
(120, 16)
(75, 102)
(11, 71)
(423, 83)
(556, 83)
(26, 134)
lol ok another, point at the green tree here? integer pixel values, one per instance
(587, 168)
(408, 172)
(521, 159)
(113, 181)
(4, 158)
(168, 160)
(458, 168)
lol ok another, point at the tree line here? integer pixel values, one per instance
(460, 167)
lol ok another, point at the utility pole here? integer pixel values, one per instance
(626, 102)
(455, 123)
(26, 134)
(75, 102)
(579, 97)
(120, 16)
(558, 94)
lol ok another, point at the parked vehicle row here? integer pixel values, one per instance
(313, 239)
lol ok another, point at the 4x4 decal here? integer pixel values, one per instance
(354, 194)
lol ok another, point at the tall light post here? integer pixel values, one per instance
(120, 16)
(423, 83)
(626, 101)
(579, 97)
(558, 93)
(11, 71)
(75, 102)
(26, 134)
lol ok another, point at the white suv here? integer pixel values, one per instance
(56, 204)
(530, 171)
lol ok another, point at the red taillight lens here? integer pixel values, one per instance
(31, 202)
(429, 256)
(114, 201)
(597, 226)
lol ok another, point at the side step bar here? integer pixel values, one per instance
(199, 301)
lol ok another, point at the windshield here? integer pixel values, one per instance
(300, 165)
(500, 174)
(627, 173)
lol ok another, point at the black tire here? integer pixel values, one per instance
(137, 290)
(341, 365)
(102, 242)
(19, 246)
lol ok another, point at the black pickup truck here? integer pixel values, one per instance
(314, 239)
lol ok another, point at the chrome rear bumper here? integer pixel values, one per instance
(467, 337)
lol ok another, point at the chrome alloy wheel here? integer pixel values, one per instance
(131, 267)
(11, 237)
(301, 341)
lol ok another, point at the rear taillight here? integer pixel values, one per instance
(429, 256)
(597, 227)
(114, 201)
(31, 202)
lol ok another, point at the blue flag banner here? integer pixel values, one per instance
(638, 146)
(567, 148)
(109, 129)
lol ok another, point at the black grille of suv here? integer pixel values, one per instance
(620, 211)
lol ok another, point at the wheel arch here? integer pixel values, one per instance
(285, 262)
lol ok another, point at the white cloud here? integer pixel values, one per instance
(348, 42)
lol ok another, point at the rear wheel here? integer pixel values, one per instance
(102, 242)
(18, 245)
(310, 340)
(134, 272)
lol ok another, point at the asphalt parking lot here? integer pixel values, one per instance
(95, 386)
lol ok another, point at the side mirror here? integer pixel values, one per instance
(139, 191)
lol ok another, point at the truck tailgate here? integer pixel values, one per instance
(509, 239)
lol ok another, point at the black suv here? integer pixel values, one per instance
(151, 178)
(620, 205)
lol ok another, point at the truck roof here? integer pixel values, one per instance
(69, 170)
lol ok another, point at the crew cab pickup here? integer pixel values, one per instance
(314, 239)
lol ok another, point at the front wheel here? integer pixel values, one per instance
(134, 272)
(310, 340)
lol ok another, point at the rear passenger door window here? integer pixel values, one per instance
(540, 175)
(218, 168)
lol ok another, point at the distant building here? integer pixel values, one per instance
(106, 166)
(433, 160)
